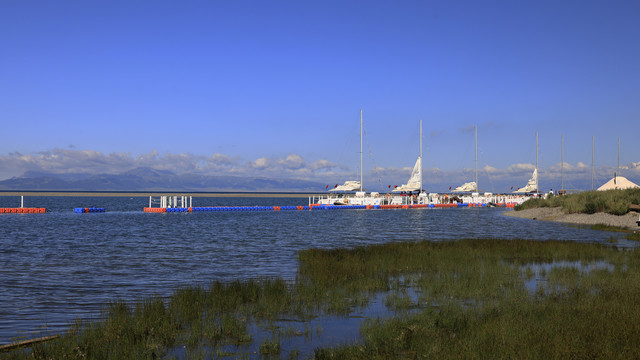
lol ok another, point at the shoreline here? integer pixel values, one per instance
(556, 214)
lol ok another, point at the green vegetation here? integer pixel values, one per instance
(461, 299)
(475, 305)
(605, 227)
(614, 202)
(633, 236)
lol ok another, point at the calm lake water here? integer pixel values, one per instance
(57, 266)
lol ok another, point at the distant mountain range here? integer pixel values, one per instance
(147, 179)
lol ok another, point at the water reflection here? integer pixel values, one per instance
(536, 276)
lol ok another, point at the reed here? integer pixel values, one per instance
(614, 202)
(612, 228)
(579, 314)
(633, 236)
(467, 299)
(270, 347)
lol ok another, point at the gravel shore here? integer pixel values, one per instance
(557, 214)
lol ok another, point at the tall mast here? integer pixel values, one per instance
(618, 171)
(476, 136)
(562, 163)
(420, 155)
(593, 143)
(361, 130)
(537, 175)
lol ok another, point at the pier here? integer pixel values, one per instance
(89, 210)
(23, 210)
(178, 204)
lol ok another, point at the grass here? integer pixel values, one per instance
(582, 315)
(614, 202)
(633, 236)
(611, 228)
(467, 300)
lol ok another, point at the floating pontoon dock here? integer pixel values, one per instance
(89, 210)
(22, 209)
(178, 204)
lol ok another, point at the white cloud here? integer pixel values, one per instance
(491, 170)
(518, 168)
(634, 168)
(292, 161)
(325, 165)
(221, 160)
(294, 166)
(261, 163)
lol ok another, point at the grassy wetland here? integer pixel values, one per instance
(615, 202)
(460, 299)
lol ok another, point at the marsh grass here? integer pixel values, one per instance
(467, 300)
(271, 347)
(604, 227)
(580, 312)
(633, 236)
(614, 202)
(400, 301)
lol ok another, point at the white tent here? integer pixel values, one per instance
(618, 182)
(532, 184)
(350, 185)
(415, 181)
(467, 187)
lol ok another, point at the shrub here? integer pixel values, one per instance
(614, 202)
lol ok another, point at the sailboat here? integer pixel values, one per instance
(473, 185)
(351, 193)
(532, 184)
(467, 187)
(349, 185)
(343, 194)
(353, 185)
(361, 197)
(415, 180)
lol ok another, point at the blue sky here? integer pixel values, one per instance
(274, 89)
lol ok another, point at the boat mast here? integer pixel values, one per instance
(361, 129)
(476, 136)
(537, 190)
(562, 163)
(420, 155)
(593, 142)
(618, 171)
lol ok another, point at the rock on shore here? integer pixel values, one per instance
(557, 214)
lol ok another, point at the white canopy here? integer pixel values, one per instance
(350, 185)
(467, 187)
(415, 181)
(618, 182)
(532, 184)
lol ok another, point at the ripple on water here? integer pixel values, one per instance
(61, 265)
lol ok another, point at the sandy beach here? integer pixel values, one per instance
(557, 214)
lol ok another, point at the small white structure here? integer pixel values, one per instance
(618, 183)
(169, 201)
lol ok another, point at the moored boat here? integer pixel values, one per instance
(412, 193)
